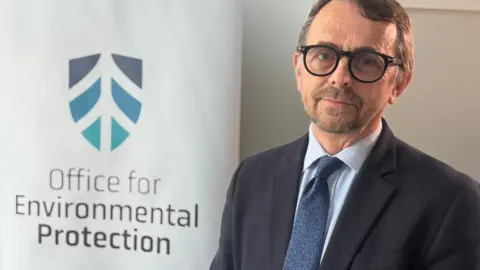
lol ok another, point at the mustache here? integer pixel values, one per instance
(344, 94)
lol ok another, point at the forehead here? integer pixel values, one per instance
(340, 22)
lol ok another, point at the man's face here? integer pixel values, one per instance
(338, 103)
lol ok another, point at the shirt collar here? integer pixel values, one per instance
(353, 156)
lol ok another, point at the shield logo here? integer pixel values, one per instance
(104, 97)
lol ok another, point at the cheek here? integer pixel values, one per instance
(310, 84)
(375, 95)
(307, 100)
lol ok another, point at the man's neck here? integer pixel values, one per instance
(334, 143)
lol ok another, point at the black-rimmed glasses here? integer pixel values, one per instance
(366, 66)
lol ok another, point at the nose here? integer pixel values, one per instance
(341, 76)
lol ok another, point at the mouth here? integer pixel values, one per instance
(336, 101)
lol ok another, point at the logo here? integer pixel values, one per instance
(104, 97)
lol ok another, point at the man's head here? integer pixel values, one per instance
(340, 95)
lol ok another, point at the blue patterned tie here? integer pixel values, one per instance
(310, 226)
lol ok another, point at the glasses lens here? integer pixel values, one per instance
(321, 60)
(367, 66)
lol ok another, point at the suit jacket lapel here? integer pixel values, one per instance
(285, 185)
(367, 198)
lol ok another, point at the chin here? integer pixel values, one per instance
(335, 124)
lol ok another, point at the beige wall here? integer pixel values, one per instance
(439, 113)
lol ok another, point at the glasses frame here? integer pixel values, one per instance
(389, 60)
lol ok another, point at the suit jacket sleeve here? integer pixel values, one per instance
(223, 259)
(457, 245)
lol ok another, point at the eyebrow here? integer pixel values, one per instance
(361, 48)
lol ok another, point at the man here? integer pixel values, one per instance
(349, 194)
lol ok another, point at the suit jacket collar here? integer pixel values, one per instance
(367, 197)
(285, 184)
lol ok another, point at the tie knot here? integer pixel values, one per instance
(326, 166)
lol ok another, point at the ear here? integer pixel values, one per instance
(297, 66)
(400, 84)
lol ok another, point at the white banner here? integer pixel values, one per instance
(119, 132)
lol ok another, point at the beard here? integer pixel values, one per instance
(333, 119)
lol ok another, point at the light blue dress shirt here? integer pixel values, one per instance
(339, 183)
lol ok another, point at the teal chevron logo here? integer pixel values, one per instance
(104, 101)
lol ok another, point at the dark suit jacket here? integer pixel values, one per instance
(406, 210)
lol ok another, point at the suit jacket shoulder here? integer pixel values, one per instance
(271, 160)
(420, 171)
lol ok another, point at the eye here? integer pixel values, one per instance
(368, 61)
(320, 60)
(324, 56)
(321, 54)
